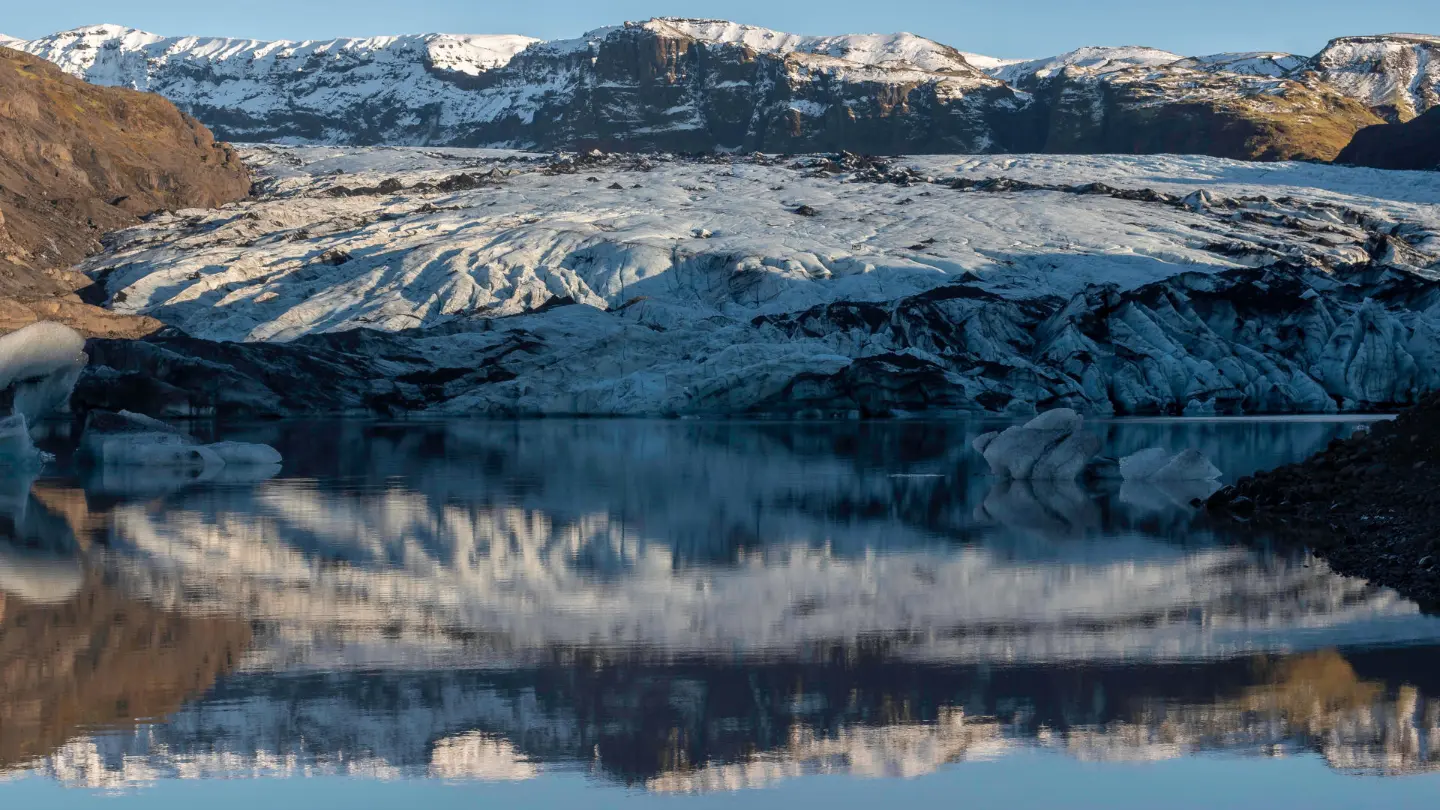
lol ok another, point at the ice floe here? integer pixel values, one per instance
(1051, 446)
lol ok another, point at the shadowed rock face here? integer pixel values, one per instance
(77, 161)
(1411, 145)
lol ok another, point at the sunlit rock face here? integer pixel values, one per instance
(477, 282)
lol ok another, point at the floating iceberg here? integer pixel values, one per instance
(1158, 464)
(132, 439)
(1049, 447)
(39, 366)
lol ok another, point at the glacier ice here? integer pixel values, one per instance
(1109, 285)
(39, 365)
(1050, 447)
(1143, 465)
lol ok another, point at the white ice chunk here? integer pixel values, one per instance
(246, 454)
(38, 350)
(1189, 465)
(1057, 419)
(41, 362)
(1164, 496)
(1143, 465)
(1048, 447)
(983, 441)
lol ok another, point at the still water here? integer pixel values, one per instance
(625, 613)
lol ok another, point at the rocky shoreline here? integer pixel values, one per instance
(1366, 504)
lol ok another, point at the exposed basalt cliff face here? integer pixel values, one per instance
(1411, 145)
(77, 161)
(706, 85)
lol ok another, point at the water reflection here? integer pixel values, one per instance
(681, 606)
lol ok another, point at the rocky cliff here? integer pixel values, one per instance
(77, 161)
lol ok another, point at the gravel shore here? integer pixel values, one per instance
(1370, 504)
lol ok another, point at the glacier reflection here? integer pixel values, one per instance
(684, 606)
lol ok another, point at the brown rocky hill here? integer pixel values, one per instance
(1182, 110)
(1414, 144)
(78, 160)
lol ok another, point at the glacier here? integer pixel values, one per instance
(495, 282)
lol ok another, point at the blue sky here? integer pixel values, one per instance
(1019, 28)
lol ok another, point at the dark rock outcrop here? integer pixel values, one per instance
(169, 373)
(1411, 145)
(1366, 503)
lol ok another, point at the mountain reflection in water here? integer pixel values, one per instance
(683, 606)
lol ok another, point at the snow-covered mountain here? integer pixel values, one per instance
(705, 85)
(710, 285)
(1396, 74)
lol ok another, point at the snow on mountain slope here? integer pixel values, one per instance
(988, 64)
(756, 284)
(1088, 61)
(230, 81)
(640, 83)
(1398, 74)
(115, 55)
(1248, 64)
(865, 49)
(710, 85)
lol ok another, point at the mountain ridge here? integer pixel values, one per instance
(686, 84)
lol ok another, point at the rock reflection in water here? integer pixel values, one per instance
(684, 606)
(78, 654)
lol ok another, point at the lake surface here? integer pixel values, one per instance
(626, 613)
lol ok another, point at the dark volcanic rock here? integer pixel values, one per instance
(1411, 145)
(1367, 504)
(172, 374)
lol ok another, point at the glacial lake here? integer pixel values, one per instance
(607, 613)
